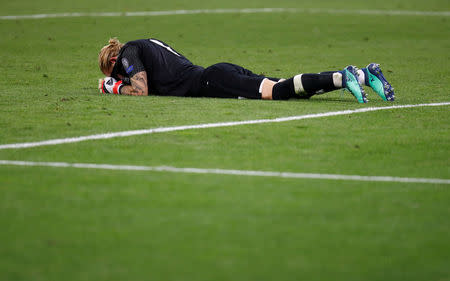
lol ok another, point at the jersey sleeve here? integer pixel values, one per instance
(131, 62)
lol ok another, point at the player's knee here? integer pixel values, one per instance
(266, 89)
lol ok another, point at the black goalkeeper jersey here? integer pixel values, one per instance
(168, 72)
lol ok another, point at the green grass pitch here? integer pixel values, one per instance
(85, 224)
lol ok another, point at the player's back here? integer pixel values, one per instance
(168, 72)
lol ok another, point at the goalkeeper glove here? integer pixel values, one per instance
(109, 85)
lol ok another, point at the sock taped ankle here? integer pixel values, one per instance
(298, 85)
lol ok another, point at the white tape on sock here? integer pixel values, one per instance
(298, 86)
(337, 79)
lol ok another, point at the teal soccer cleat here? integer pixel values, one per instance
(375, 79)
(350, 82)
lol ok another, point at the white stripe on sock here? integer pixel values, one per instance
(298, 86)
(337, 79)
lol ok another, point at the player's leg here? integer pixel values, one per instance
(246, 72)
(373, 77)
(307, 85)
(232, 81)
(225, 80)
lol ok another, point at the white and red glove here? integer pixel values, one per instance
(109, 85)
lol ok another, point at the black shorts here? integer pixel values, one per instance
(226, 80)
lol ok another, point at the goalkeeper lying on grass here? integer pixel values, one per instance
(149, 66)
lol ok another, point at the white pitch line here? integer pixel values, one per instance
(232, 11)
(225, 172)
(207, 125)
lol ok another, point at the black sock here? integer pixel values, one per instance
(283, 90)
(318, 83)
(312, 84)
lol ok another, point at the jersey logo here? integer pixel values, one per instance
(125, 63)
(129, 69)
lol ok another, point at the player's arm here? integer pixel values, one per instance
(138, 87)
(134, 68)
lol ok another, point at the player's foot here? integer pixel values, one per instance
(350, 82)
(375, 79)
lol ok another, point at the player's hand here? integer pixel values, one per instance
(109, 85)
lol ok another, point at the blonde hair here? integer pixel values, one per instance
(107, 52)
